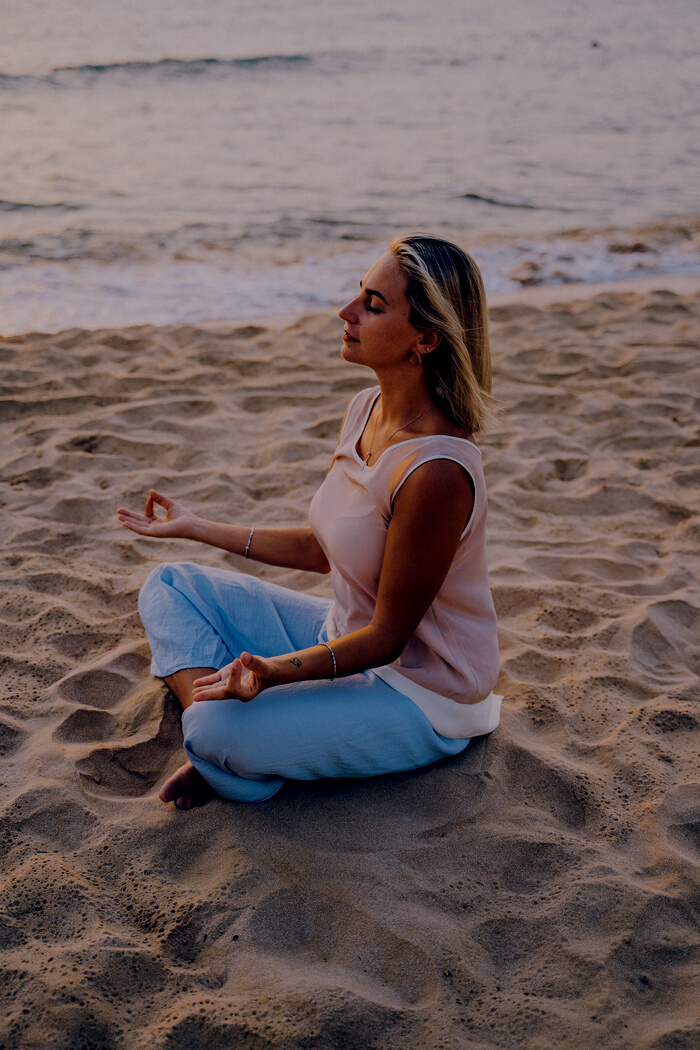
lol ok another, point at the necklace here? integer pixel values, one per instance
(402, 427)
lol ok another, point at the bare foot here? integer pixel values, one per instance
(187, 788)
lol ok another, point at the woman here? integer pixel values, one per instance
(398, 670)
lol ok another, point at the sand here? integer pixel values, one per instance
(541, 890)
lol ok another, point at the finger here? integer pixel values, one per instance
(211, 692)
(160, 499)
(136, 519)
(207, 679)
(136, 526)
(131, 515)
(131, 527)
(150, 512)
(234, 679)
(256, 664)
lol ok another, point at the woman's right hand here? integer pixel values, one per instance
(178, 522)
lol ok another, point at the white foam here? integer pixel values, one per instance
(49, 296)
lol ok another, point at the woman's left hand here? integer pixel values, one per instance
(242, 679)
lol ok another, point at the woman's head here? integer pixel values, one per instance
(446, 295)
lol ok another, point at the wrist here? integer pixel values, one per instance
(279, 673)
(194, 529)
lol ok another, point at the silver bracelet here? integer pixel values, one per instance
(335, 666)
(247, 546)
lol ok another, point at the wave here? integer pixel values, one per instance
(576, 255)
(162, 68)
(27, 206)
(500, 202)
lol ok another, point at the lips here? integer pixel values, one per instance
(347, 338)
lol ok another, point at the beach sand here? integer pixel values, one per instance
(540, 890)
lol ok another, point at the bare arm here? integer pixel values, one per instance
(422, 540)
(293, 548)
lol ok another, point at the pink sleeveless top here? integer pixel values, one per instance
(450, 665)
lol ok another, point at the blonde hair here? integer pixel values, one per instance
(446, 293)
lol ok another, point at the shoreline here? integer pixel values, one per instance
(539, 296)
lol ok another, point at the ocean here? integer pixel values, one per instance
(173, 162)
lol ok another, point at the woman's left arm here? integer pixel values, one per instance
(431, 510)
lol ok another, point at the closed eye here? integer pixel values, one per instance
(370, 297)
(371, 293)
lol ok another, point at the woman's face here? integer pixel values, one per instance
(378, 331)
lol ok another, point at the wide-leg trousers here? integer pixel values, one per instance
(351, 727)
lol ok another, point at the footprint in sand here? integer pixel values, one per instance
(140, 727)
(97, 687)
(679, 813)
(685, 838)
(566, 792)
(512, 942)
(58, 821)
(521, 865)
(78, 646)
(667, 640)
(532, 666)
(133, 769)
(349, 947)
(85, 726)
(194, 929)
(11, 737)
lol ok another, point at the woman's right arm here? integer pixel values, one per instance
(292, 548)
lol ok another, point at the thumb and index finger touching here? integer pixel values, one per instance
(157, 497)
(152, 498)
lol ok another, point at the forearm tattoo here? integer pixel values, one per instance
(296, 661)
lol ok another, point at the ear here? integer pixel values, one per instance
(429, 340)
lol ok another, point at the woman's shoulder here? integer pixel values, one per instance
(439, 466)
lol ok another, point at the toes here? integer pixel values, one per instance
(187, 802)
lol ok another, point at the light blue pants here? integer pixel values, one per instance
(352, 727)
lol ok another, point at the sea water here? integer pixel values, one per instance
(174, 161)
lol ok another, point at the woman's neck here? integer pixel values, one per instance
(402, 398)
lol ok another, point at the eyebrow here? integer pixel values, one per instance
(373, 291)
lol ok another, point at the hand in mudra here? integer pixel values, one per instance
(242, 679)
(177, 522)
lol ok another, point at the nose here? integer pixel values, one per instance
(349, 312)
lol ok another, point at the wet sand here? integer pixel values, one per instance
(540, 890)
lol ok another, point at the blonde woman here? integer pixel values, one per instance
(398, 670)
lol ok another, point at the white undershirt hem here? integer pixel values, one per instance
(447, 717)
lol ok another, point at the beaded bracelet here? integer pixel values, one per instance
(247, 546)
(335, 666)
